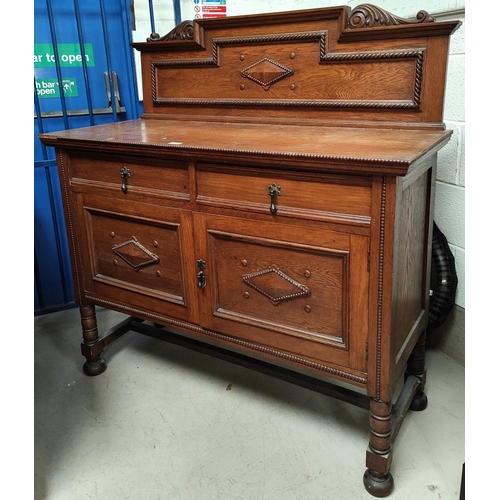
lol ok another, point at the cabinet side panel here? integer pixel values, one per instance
(410, 272)
(72, 229)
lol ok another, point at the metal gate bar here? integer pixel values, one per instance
(177, 11)
(84, 61)
(57, 63)
(152, 16)
(177, 14)
(108, 57)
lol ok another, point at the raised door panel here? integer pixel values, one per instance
(135, 256)
(297, 291)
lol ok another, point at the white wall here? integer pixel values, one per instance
(450, 189)
(242, 7)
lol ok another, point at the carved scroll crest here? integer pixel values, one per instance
(183, 31)
(370, 16)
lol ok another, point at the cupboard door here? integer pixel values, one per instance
(136, 256)
(296, 290)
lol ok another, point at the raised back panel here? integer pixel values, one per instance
(328, 65)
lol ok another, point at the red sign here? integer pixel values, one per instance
(209, 12)
(214, 10)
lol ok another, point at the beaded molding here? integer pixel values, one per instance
(380, 283)
(232, 340)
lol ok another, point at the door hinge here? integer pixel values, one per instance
(368, 261)
(366, 351)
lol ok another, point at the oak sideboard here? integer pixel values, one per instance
(274, 203)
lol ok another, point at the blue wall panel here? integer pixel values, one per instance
(53, 266)
(101, 30)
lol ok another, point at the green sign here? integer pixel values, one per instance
(49, 87)
(70, 55)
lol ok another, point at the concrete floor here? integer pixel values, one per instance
(164, 423)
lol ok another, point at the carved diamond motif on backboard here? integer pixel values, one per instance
(266, 72)
(275, 285)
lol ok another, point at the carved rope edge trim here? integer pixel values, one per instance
(309, 156)
(324, 58)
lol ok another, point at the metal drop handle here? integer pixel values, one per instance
(274, 191)
(124, 174)
(202, 280)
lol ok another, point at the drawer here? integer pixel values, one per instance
(169, 178)
(337, 198)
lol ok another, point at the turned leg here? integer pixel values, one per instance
(91, 346)
(416, 367)
(377, 479)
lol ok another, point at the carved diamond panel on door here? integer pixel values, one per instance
(138, 258)
(289, 296)
(275, 285)
(135, 254)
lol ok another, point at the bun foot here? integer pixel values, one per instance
(419, 402)
(94, 367)
(378, 486)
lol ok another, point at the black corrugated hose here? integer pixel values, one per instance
(443, 280)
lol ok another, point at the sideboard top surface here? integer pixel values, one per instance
(358, 150)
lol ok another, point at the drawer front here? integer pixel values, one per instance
(135, 256)
(128, 176)
(301, 294)
(336, 198)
